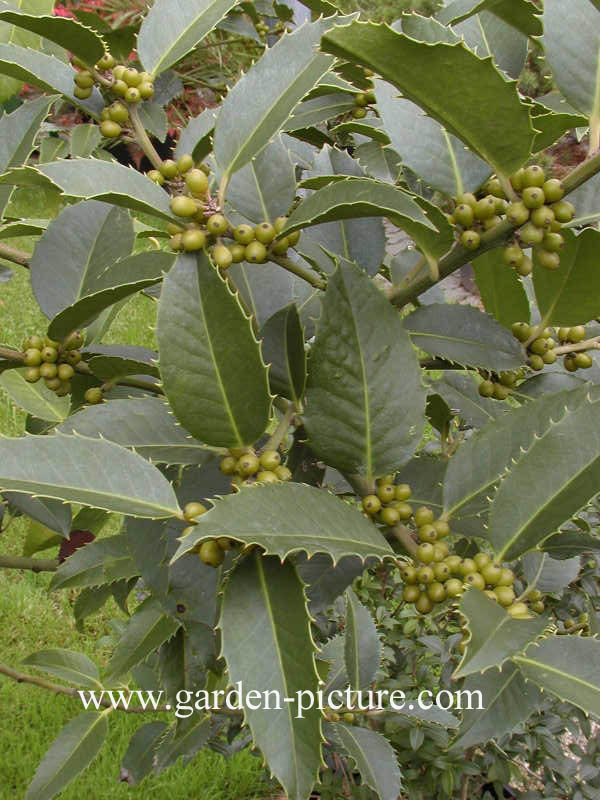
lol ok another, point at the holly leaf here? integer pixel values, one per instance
(502, 291)
(77, 248)
(450, 90)
(84, 140)
(569, 544)
(90, 472)
(435, 155)
(459, 392)
(34, 398)
(489, 35)
(521, 14)
(144, 424)
(464, 335)
(289, 518)
(47, 73)
(283, 350)
(51, 514)
(566, 666)
(146, 630)
(138, 761)
(72, 667)
(196, 137)
(373, 755)
(319, 109)
(508, 701)
(571, 295)
(495, 635)
(362, 647)
(161, 45)
(67, 32)
(572, 53)
(277, 655)
(75, 747)
(550, 575)
(276, 83)
(100, 562)
(218, 392)
(365, 402)
(553, 496)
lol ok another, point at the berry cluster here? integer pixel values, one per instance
(119, 80)
(247, 468)
(362, 102)
(438, 575)
(538, 211)
(389, 504)
(546, 347)
(55, 362)
(211, 551)
(499, 387)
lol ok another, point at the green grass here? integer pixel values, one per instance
(32, 619)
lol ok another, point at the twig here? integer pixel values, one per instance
(16, 256)
(281, 430)
(33, 564)
(589, 344)
(142, 137)
(306, 274)
(393, 291)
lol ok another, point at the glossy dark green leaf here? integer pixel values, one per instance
(553, 495)
(459, 392)
(266, 290)
(17, 136)
(277, 83)
(464, 335)
(505, 701)
(289, 518)
(47, 73)
(566, 666)
(489, 35)
(35, 398)
(122, 279)
(569, 544)
(196, 137)
(161, 45)
(324, 581)
(86, 471)
(145, 424)
(494, 635)
(426, 147)
(69, 33)
(451, 90)
(502, 291)
(147, 629)
(521, 14)
(51, 513)
(75, 668)
(550, 575)
(190, 736)
(571, 295)
(362, 647)
(365, 401)
(72, 751)
(84, 140)
(138, 761)
(319, 109)
(211, 365)
(265, 188)
(373, 755)
(283, 349)
(275, 653)
(78, 246)
(107, 367)
(97, 563)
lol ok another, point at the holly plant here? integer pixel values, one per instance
(336, 469)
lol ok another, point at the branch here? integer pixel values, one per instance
(142, 137)
(589, 344)
(281, 430)
(12, 355)
(459, 255)
(306, 274)
(34, 564)
(16, 256)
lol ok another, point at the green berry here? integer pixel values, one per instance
(73, 341)
(33, 357)
(542, 217)
(194, 510)
(169, 169)
(53, 383)
(441, 571)
(453, 587)
(546, 259)
(440, 551)
(247, 465)
(538, 607)
(82, 94)
(436, 592)
(238, 252)
(49, 354)
(119, 71)
(371, 504)
(244, 234)
(423, 516)
(467, 566)
(293, 238)
(389, 516)
(264, 232)
(196, 181)
(256, 253)
(132, 77)
(146, 90)
(521, 331)
(553, 242)
(84, 79)
(539, 346)
(228, 465)
(359, 113)
(583, 361)
(183, 206)
(427, 533)
(266, 476)
(280, 246)
(211, 554)
(118, 112)
(176, 242)
(221, 255)
(48, 370)
(386, 493)
(518, 611)
(517, 213)
(491, 574)
(185, 163)
(409, 574)
(106, 62)
(513, 255)
(360, 99)
(73, 357)
(32, 374)
(476, 580)
(65, 372)
(193, 239)
(533, 197)
(536, 362)
(411, 593)
(492, 222)
(425, 552)
(402, 491)
(155, 176)
(119, 88)
(464, 215)
(507, 577)
(534, 176)
(110, 129)
(563, 211)
(132, 95)
(454, 562)
(577, 334)
(516, 180)
(493, 186)
(485, 208)
(424, 605)
(467, 198)
(481, 559)
(531, 234)
(283, 473)
(93, 396)
(553, 190)
(505, 595)
(404, 510)
(549, 357)
(501, 392)
(470, 240)
(270, 459)
(441, 528)
(217, 225)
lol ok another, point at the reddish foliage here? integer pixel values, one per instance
(77, 539)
